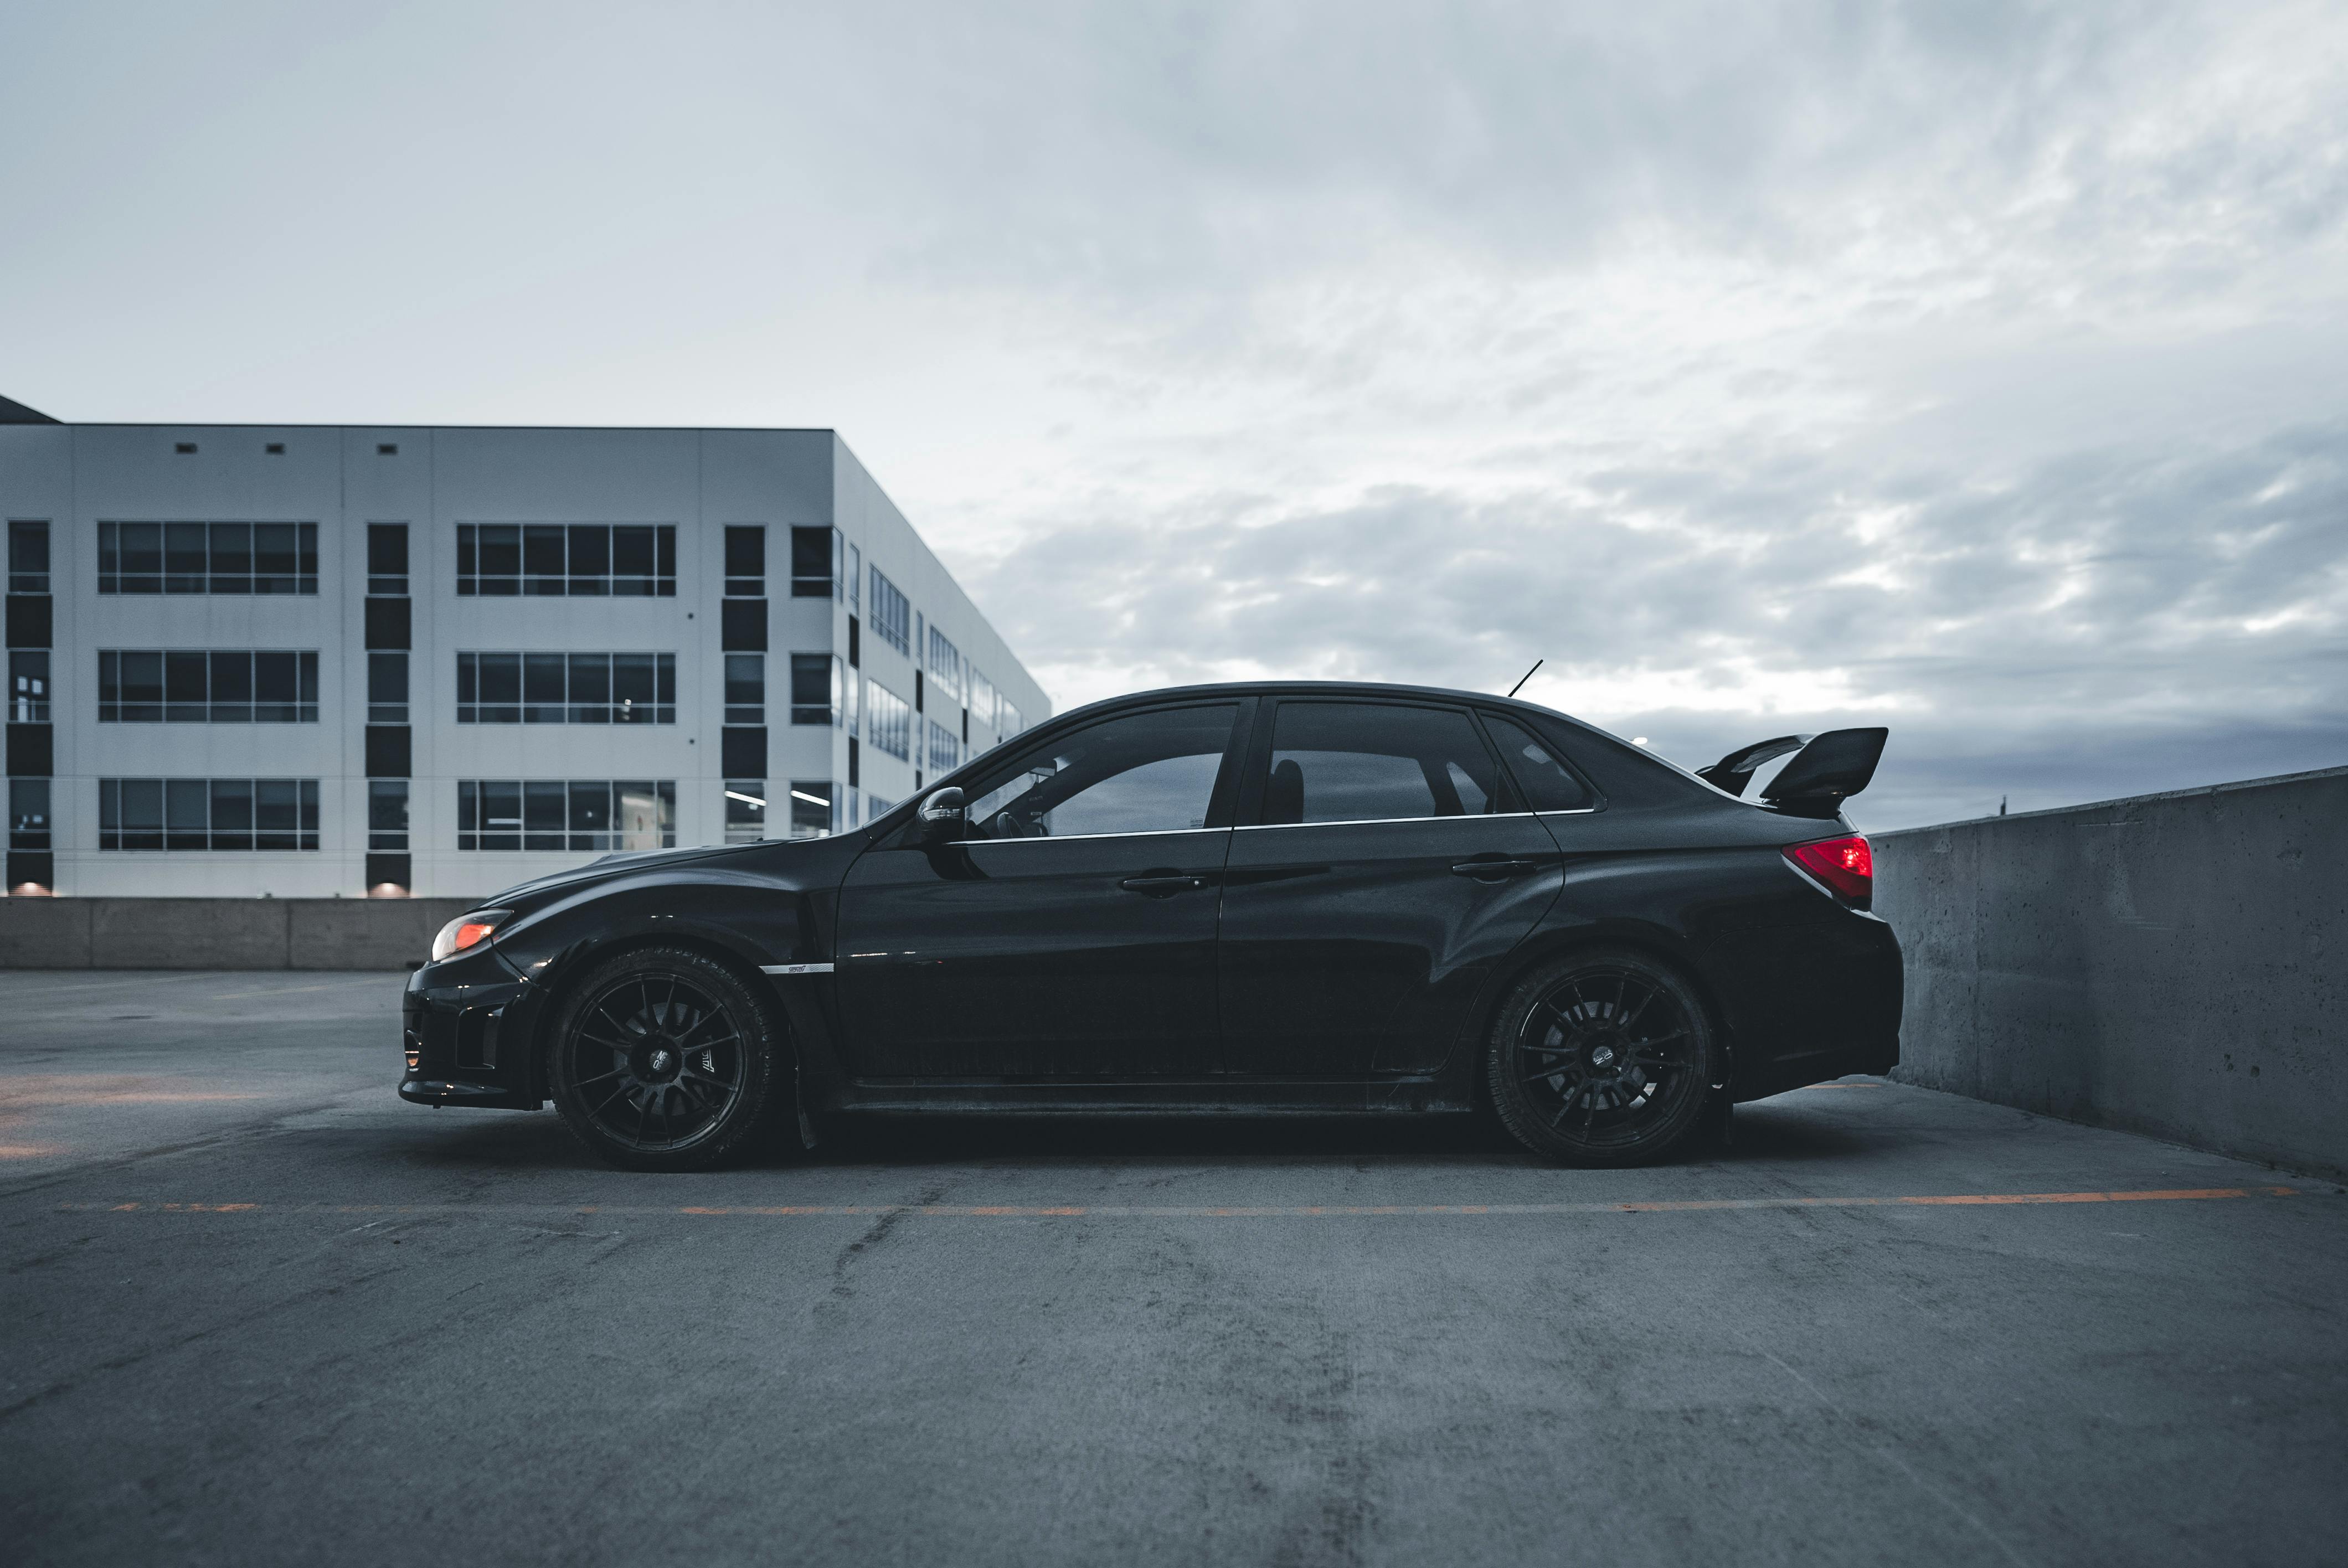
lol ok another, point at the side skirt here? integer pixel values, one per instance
(1278, 1097)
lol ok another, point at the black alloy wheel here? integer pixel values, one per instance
(664, 1059)
(1603, 1058)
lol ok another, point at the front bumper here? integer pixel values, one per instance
(464, 1025)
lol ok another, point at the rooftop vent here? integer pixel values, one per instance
(275, 448)
(184, 448)
(387, 448)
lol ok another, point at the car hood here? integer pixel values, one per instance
(621, 863)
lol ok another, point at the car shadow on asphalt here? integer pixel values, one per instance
(1767, 1133)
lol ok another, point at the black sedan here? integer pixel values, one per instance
(1283, 898)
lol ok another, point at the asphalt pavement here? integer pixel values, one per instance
(257, 1310)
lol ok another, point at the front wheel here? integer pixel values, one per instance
(664, 1059)
(1601, 1058)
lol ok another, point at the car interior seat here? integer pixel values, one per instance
(1284, 795)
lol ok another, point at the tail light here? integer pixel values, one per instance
(1844, 866)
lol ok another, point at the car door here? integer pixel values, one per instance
(1384, 865)
(1071, 933)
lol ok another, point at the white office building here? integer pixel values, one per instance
(305, 661)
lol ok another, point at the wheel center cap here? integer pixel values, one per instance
(1603, 1057)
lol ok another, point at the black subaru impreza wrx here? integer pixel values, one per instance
(1276, 898)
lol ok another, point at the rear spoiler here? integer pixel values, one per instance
(1827, 770)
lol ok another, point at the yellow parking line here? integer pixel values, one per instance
(1192, 1210)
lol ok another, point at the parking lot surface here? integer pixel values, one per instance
(258, 1311)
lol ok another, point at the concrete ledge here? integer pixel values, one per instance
(220, 933)
(45, 933)
(2173, 964)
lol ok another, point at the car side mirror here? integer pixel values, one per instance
(941, 817)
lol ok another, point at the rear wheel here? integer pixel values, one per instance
(1601, 1058)
(664, 1059)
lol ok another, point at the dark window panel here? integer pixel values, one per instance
(32, 751)
(28, 557)
(742, 626)
(815, 562)
(743, 751)
(386, 550)
(388, 623)
(746, 552)
(30, 619)
(388, 751)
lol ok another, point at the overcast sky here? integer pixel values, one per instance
(1977, 369)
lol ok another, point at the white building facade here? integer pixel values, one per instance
(306, 661)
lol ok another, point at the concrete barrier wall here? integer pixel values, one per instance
(220, 933)
(2173, 964)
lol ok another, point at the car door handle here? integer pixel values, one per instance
(1161, 885)
(1493, 870)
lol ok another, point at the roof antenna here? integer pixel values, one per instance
(1528, 675)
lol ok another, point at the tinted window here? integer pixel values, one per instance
(1539, 773)
(1370, 762)
(1144, 773)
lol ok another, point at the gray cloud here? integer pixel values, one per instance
(2115, 621)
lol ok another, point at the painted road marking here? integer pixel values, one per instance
(1198, 1211)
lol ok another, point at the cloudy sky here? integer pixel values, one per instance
(1978, 369)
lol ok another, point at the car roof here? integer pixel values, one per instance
(1308, 689)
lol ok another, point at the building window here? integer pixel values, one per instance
(28, 557)
(566, 814)
(816, 684)
(386, 814)
(815, 563)
(745, 687)
(28, 814)
(566, 688)
(875, 808)
(891, 614)
(1007, 722)
(208, 558)
(207, 686)
(746, 810)
(387, 688)
(387, 558)
(590, 561)
(982, 710)
(855, 580)
(812, 808)
(208, 814)
(887, 721)
(745, 561)
(945, 749)
(945, 666)
(28, 686)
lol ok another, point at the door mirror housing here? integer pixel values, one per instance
(941, 819)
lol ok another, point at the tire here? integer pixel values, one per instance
(664, 1059)
(1603, 1058)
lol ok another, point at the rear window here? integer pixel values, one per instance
(1547, 782)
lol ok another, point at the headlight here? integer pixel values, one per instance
(466, 932)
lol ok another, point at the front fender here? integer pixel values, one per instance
(746, 918)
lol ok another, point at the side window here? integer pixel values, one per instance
(1539, 773)
(1370, 762)
(1143, 773)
